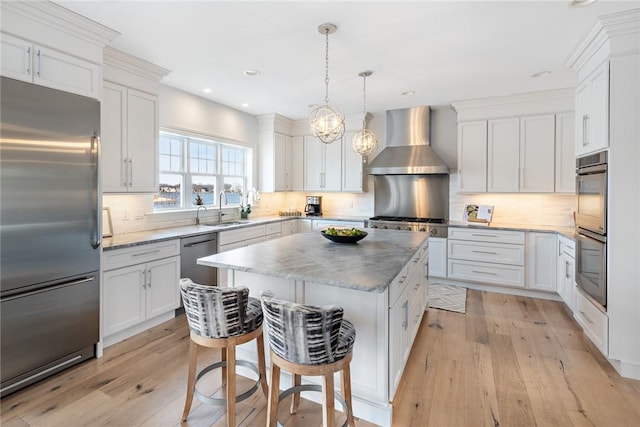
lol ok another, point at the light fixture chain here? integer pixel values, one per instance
(326, 69)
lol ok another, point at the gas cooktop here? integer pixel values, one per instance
(409, 219)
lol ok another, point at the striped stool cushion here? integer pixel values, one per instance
(215, 312)
(305, 334)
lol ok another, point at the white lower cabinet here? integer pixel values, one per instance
(139, 284)
(437, 257)
(289, 227)
(594, 322)
(495, 257)
(541, 261)
(565, 274)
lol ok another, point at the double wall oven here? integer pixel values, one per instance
(591, 226)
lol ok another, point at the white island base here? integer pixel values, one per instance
(386, 315)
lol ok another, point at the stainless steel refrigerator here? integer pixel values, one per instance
(49, 231)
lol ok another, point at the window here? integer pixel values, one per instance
(204, 167)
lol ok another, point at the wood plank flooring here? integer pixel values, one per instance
(509, 361)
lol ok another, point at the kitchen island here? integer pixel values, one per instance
(379, 281)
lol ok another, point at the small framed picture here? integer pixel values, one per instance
(478, 213)
(107, 227)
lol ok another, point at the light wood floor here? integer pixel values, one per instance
(509, 361)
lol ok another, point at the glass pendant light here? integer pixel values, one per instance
(327, 122)
(364, 141)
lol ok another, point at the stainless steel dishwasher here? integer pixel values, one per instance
(196, 247)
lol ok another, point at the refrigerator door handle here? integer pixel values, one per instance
(52, 288)
(96, 151)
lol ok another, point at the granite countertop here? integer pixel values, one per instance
(158, 235)
(369, 265)
(565, 231)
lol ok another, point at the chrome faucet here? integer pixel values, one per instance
(198, 214)
(221, 196)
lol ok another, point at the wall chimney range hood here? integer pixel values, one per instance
(408, 150)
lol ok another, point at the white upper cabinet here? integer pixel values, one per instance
(44, 44)
(537, 154)
(525, 147)
(592, 111)
(129, 140)
(129, 124)
(472, 156)
(322, 165)
(352, 166)
(280, 156)
(565, 153)
(503, 153)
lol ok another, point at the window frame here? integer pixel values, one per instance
(187, 174)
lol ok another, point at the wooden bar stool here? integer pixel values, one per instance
(311, 341)
(222, 318)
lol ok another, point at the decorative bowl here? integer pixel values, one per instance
(344, 239)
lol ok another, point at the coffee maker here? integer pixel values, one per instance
(313, 206)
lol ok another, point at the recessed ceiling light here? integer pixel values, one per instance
(245, 104)
(207, 90)
(251, 73)
(580, 3)
(544, 73)
(408, 93)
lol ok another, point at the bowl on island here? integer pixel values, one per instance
(343, 235)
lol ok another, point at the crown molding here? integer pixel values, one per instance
(132, 64)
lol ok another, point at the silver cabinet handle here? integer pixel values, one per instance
(130, 172)
(39, 63)
(29, 60)
(405, 322)
(484, 272)
(485, 252)
(146, 253)
(484, 235)
(585, 130)
(126, 172)
(586, 317)
(149, 278)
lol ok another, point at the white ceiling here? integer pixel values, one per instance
(442, 50)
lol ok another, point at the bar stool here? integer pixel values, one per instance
(222, 318)
(312, 341)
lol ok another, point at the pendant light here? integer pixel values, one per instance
(364, 141)
(327, 122)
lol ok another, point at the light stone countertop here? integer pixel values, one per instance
(119, 241)
(565, 231)
(369, 265)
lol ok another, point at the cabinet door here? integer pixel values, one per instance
(297, 163)
(313, 164)
(16, 58)
(583, 101)
(162, 294)
(598, 122)
(60, 71)
(568, 270)
(332, 175)
(503, 155)
(123, 298)
(113, 120)
(542, 261)
(537, 154)
(352, 165)
(142, 141)
(437, 257)
(565, 153)
(398, 339)
(472, 156)
(282, 148)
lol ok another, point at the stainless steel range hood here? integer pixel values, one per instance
(408, 150)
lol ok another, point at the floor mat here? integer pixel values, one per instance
(447, 297)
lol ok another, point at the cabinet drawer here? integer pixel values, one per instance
(398, 285)
(232, 236)
(492, 236)
(489, 252)
(594, 322)
(273, 227)
(118, 258)
(569, 247)
(482, 272)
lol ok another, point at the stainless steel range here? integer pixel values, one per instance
(436, 227)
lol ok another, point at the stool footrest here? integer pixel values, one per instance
(222, 401)
(313, 387)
